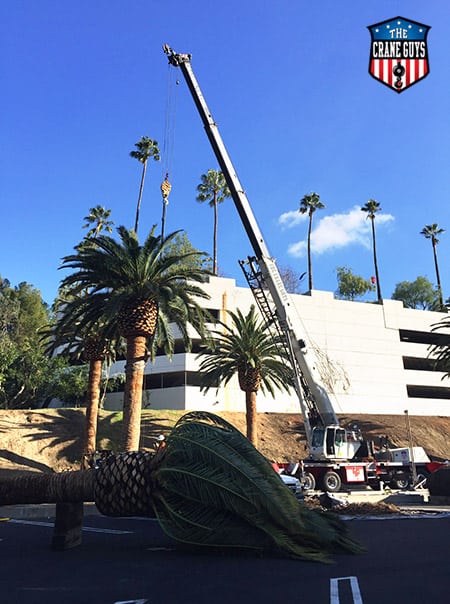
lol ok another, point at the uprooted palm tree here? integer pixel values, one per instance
(135, 287)
(248, 349)
(209, 487)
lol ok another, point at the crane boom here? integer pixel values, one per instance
(315, 403)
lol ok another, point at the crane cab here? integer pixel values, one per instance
(334, 442)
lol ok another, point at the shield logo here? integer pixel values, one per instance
(399, 52)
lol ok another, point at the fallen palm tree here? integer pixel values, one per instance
(208, 487)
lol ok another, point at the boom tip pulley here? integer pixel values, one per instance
(175, 58)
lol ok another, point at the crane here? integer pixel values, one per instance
(327, 440)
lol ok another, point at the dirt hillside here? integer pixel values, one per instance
(45, 440)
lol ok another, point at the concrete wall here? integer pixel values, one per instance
(358, 349)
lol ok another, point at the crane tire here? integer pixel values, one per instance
(308, 481)
(332, 482)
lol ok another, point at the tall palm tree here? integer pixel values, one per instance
(308, 205)
(132, 286)
(371, 208)
(146, 148)
(431, 231)
(70, 336)
(209, 487)
(214, 190)
(249, 350)
(98, 220)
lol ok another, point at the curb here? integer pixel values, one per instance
(41, 510)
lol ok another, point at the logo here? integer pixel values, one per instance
(399, 53)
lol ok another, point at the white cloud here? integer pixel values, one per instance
(291, 219)
(335, 231)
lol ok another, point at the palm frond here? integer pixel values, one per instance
(212, 487)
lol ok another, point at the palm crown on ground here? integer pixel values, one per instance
(138, 290)
(248, 349)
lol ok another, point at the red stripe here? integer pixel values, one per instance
(389, 73)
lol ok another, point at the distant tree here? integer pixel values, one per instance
(25, 369)
(351, 286)
(416, 294)
(291, 279)
(431, 231)
(371, 208)
(308, 205)
(213, 189)
(248, 349)
(146, 148)
(98, 220)
(192, 257)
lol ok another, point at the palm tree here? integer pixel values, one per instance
(208, 487)
(308, 205)
(250, 351)
(371, 208)
(68, 334)
(99, 218)
(431, 231)
(145, 149)
(134, 286)
(213, 189)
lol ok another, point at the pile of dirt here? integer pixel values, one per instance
(50, 439)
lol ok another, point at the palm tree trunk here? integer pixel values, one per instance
(36, 487)
(216, 220)
(438, 277)
(251, 417)
(93, 399)
(141, 189)
(375, 262)
(310, 279)
(132, 402)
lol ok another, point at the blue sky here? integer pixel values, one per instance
(288, 84)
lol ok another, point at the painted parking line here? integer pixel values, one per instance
(131, 602)
(87, 529)
(334, 591)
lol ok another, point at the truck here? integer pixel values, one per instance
(339, 457)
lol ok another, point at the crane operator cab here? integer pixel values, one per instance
(335, 442)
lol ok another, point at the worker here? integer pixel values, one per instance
(161, 442)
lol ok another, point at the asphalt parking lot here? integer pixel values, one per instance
(131, 560)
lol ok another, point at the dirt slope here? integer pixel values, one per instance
(45, 440)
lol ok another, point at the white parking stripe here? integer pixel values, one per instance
(87, 529)
(334, 590)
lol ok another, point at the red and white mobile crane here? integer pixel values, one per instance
(337, 456)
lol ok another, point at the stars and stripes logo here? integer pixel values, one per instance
(399, 52)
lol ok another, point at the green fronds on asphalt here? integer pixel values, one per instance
(211, 487)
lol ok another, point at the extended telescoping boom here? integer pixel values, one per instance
(325, 437)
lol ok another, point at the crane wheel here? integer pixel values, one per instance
(308, 481)
(332, 482)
